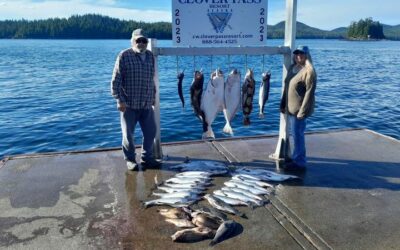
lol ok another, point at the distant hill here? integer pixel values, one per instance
(92, 26)
(308, 32)
(304, 31)
(391, 32)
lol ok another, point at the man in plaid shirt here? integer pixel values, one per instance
(132, 85)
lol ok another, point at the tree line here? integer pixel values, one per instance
(365, 29)
(90, 26)
(93, 26)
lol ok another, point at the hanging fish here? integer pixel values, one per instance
(180, 91)
(248, 89)
(264, 92)
(213, 101)
(232, 99)
(196, 91)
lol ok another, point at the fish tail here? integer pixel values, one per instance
(212, 243)
(246, 121)
(227, 129)
(203, 119)
(243, 215)
(146, 205)
(209, 134)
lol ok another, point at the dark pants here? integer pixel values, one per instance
(129, 118)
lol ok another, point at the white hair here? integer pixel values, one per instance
(133, 42)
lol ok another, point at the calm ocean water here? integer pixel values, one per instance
(55, 94)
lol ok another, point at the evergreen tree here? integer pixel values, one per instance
(365, 29)
(90, 26)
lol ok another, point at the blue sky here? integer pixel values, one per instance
(323, 14)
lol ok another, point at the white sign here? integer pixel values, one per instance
(219, 23)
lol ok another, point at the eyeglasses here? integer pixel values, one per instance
(141, 40)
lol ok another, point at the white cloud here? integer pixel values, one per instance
(339, 13)
(19, 9)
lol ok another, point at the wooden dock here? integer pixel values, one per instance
(349, 197)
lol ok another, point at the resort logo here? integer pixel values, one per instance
(219, 19)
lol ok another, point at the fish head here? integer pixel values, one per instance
(181, 75)
(198, 75)
(217, 73)
(266, 75)
(249, 73)
(234, 77)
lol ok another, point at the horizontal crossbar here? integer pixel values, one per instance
(265, 50)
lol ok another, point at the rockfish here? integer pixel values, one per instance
(174, 213)
(183, 223)
(225, 231)
(193, 234)
(205, 220)
(248, 90)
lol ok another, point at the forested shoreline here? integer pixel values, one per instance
(93, 26)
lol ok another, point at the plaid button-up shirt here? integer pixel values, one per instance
(132, 82)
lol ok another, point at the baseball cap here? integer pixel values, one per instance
(138, 33)
(301, 49)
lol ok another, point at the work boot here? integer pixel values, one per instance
(150, 163)
(293, 167)
(132, 166)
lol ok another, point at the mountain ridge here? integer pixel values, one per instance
(94, 26)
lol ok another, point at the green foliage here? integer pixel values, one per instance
(90, 26)
(365, 29)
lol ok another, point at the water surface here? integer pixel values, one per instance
(55, 94)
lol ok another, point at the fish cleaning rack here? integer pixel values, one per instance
(283, 147)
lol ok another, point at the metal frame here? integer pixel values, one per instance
(283, 147)
(282, 151)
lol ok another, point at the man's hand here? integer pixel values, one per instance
(121, 106)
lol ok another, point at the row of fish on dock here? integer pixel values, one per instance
(247, 187)
(223, 95)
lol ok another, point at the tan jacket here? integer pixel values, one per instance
(299, 93)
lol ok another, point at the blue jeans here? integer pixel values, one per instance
(129, 119)
(298, 127)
